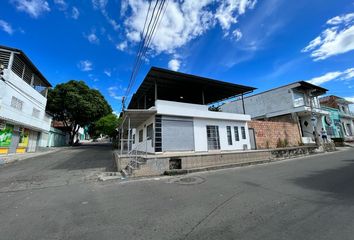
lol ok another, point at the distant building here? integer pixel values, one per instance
(23, 98)
(296, 102)
(343, 121)
(169, 113)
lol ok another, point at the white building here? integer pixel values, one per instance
(23, 92)
(169, 113)
(296, 102)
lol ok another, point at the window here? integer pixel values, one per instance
(150, 132)
(229, 135)
(213, 137)
(298, 99)
(243, 132)
(16, 103)
(35, 112)
(141, 135)
(237, 136)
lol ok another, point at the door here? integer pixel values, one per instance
(252, 138)
(177, 135)
(14, 141)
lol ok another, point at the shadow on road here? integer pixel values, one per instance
(337, 183)
(89, 156)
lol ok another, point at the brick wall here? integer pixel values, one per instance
(268, 133)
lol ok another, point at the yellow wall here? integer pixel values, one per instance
(4, 150)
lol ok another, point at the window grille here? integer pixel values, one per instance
(213, 137)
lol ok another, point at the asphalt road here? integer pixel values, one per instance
(308, 198)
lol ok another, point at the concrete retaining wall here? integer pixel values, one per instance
(158, 165)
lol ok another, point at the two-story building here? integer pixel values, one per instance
(296, 102)
(344, 122)
(23, 92)
(169, 113)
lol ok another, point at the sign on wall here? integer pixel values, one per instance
(6, 136)
(24, 135)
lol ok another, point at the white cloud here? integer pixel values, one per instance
(92, 38)
(122, 46)
(62, 5)
(75, 13)
(237, 34)
(85, 65)
(108, 72)
(338, 38)
(174, 64)
(183, 21)
(112, 91)
(348, 18)
(102, 5)
(345, 75)
(6, 27)
(229, 10)
(34, 8)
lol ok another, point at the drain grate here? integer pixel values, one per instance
(188, 180)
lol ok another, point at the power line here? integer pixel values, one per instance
(146, 40)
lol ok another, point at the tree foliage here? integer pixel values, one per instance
(76, 105)
(106, 125)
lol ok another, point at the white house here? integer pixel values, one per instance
(23, 92)
(169, 113)
(296, 102)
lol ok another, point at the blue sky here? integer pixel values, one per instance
(264, 43)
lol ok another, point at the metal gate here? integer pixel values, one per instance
(14, 141)
(252, 139)
(177, 135)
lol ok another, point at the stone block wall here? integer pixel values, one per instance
(268, 133)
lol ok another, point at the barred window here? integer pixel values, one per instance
(229, 135)
(237, 136)
(243, 132)
(213, 137)
(141, 135)
(16, 103)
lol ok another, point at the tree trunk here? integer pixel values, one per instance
(74, 130)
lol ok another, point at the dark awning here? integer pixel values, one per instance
(315, 90)
(181, 87)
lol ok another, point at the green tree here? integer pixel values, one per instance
(106, 125)
(76, 105)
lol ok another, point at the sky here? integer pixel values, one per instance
(259, 43)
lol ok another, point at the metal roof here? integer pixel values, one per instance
(24, 56)
(182, 87)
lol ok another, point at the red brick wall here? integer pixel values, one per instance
(268, 133)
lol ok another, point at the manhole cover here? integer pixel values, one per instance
(188, 180)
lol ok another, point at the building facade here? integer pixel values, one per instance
(23, 94)
(170, 113)
(344, 118)
(297, 102)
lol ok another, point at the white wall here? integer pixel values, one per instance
(170, 108)
(15, 86)
(200, 134)
(145, 145)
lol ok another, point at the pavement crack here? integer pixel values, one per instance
(219, 206)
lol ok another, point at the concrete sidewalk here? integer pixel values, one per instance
(9, 158)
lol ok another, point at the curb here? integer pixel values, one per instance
(8, 159)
